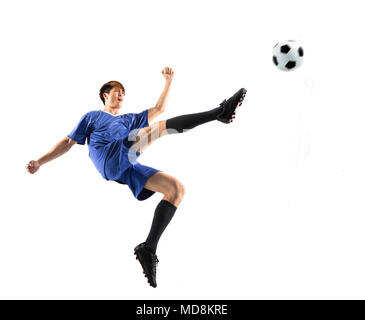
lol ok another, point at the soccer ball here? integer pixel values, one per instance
(288, 55)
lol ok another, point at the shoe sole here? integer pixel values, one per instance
(238, 104)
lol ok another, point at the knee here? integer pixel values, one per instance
(177, 191)
(180, 190)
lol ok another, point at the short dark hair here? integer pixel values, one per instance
(107, 87)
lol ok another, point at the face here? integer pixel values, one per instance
(114, 98)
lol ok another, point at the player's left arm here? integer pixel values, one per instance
(168, 74)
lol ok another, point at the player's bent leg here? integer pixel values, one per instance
(173, 191)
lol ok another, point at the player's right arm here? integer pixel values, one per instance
(59, 149)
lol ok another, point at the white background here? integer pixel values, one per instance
(274, 207)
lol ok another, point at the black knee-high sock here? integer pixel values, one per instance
(163, 214)
(189, 121)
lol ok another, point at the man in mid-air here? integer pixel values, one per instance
(115, 141)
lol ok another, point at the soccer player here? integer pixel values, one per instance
(116, 140)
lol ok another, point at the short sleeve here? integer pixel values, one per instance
(139, 120)
(82, 129)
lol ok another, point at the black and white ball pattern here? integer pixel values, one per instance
(288, 55)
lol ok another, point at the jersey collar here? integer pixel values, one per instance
(115, 115)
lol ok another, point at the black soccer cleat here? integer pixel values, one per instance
(148, 261)
(230, 106)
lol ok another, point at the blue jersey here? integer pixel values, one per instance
(101, 129)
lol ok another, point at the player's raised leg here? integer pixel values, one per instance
(224, 113)
(145, 136)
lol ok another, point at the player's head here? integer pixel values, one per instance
(112, 94)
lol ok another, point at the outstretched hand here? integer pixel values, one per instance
(32, 166)
(167, 73)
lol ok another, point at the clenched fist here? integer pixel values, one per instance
(32, 166)
(168, 73)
